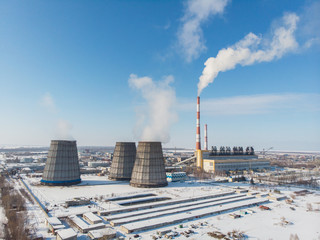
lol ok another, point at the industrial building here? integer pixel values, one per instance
(149, 169)
(67, 234)
(223, 162)
(225, 159)
(124, 156)
(62, 166)
(176, 176)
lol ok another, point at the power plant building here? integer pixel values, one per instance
(124, 156)
(225, 159)
(224, 163)
(149, 168)
(62, 166)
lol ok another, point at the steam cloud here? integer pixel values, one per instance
(159, 114)
(63, 128)
(48, 103)
(190, 33)
(252, 49)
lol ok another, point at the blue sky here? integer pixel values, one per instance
(107, 71)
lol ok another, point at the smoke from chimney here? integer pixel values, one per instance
(252, 49)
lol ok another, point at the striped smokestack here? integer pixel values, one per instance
(198, 143)
(205, 137)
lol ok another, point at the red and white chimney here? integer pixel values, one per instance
(205, 137)
(198, 143)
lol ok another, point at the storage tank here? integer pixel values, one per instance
(124, 156)
(149, 169)
(62, 166)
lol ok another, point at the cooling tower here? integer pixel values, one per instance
(149, 170)
(124, 156)
(62, 166)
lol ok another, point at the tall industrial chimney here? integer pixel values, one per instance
(205, 137)
(198, 143)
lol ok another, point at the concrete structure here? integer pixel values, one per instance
(205, 137)
(123, 161)
(198, 142)
(233, 163)
(67, 234)
(98, 164)
(223, 163)
(162, 221)
(82, 226)
(54, 224)
(62, 166)
(176, 176)
(103, 234)
(78, 201)
(149, 169)
(91, 218)
(155, 206)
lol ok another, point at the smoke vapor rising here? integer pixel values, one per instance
(63, 130)
(197, 12)
(48, 103)
(252, 49)
(155, 120)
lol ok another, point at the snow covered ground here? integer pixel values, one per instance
(281, 222)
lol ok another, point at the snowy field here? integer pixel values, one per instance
(301, 217)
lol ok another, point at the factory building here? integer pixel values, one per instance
(124, 156)
(223, 163)
(149, 169)
(225, 159)
(62, 166)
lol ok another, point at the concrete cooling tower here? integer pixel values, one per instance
(124, 156)
(149, 170)
(62, 166)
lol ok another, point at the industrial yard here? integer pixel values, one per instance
(191, 209)
(145, 193)
(189, 119)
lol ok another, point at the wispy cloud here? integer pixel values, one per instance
(197, 12)
(310, 24)
(256, 104)
(62, 127)
(48, 102)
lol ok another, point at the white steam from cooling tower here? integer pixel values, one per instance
(63, 128)
(252, 49)
(155, 119)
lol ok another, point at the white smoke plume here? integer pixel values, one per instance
(63, 130)
(310, 24)
(190, 34)
(252, 49)
(159, 114)
(48, 102)
(62, 127)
